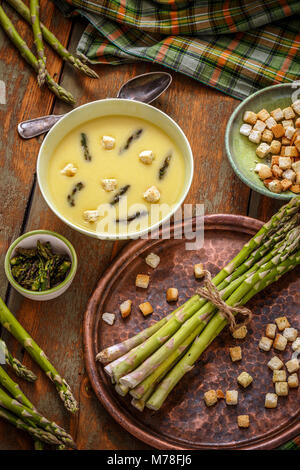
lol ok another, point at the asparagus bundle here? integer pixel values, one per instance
(19, 368)
(9, 322)
(151, 363)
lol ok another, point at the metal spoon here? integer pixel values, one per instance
(145, 88)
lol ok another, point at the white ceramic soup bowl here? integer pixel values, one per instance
(114, 106)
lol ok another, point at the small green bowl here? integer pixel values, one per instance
(240, 151)
(59, 244)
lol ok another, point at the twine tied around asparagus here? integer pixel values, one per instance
(211, 293)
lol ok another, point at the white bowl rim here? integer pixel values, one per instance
(107, 236)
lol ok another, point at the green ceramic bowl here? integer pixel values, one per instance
(240, 151)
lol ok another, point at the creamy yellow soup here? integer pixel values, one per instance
(83, 150)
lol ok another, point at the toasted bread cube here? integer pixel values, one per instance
(297, 123)
(297, 177)
(275, 159)
(245, 379)
(146, 308)
(275, 186)
(240, 333)
(285, 163)
(291, 151)
(210, 398)
(289, 175)
(295, 188)
(281, 389)
(250, 118)
(288, 113)
(275, 147)
(292, 365)
(285, 141)
(255, 136)
(271, 330)
(232, 397)
(287, 122)
(262, 150)
(296, 345)
(152, 194)
(69, 170)
(109, 318)
(296, 106)
(286, 184)
(265, 172)
(282, 323)
(245, 129)
(146, 157)
(279, 376)
(267, 136)
(290, 334)
(125, 308)
(280, 343)
(265, 344)
(108, 142)
(296, 166)
(152, 260)
(235, 353)
(270, 122)
(220, 394)
(243, 421)
(91, 216)
(258, 166)
(277, 114)
(277, 172)
(142, 280)
(297, 143)
(293, 381)
(263, 114)
(278, 130)
(172, 294)
(275, 363)
(109, 184)
(271, 400)
(259, 126)
(199, 271)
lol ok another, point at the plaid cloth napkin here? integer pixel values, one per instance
(236, 46)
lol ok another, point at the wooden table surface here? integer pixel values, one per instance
(56, 325)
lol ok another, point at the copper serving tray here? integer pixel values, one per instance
(184, 422)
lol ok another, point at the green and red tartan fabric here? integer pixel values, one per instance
(234, 46)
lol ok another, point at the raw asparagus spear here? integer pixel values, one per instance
(27, 55)
(38, 40)
(52, 40)
(19, 368)
(9, 322)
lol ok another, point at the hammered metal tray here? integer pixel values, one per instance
(184, 422)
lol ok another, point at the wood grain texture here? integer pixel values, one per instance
(57, 325)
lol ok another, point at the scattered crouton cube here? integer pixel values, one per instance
(255, 136)
(296, 166)
(292, 365)
(282, 323)
(296, 106)
(275, 160)
(271, 400)
(289, 175)
(220, 394)
(125, 308)
(297, 123)
(278, 130)
(245, 129)
(275, 363)
(146, 157)
(290, 334)
(235, 353)
(245, 379)
(270, 122)
(286, 184)
(265, 344)
(285, 163)
(146, 308)
(281, 389)
(285, 141)
(293, 381)
(265, 172)
(91, 216)
(277, 172)
(243, 421)
(291, 151)
(271, 330)
(288, 113)
(109, 318)
(109, 184)
(262, 150)
(152, 194)
(277, 114)
(142, 280)
(172, 294)
(232, 397)
(152, 260)
(240, 333)
(199, 270)
(69, 170)
(280, 342)
(259, 126)
(263, 114)
(279, 376)
(267, 136)
(250, 117)
(274, 186)
(210, 398)
(287, 122)
(296, 345)
(297, 177)
(275, 146)
(108, 142)
(295, 188)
